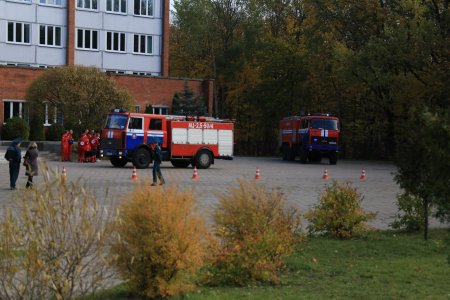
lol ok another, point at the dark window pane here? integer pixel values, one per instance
(137, 7)
(123, 6)
(6, 110)
(42, 35)
(58, 36)
(19, 32)
(122, 42)
(142, 42)
(94, 4)
(87, 39)
(108, 41)
(116, 41)
(87, 3)
(80, 38)
(26, 33)
(16, 111)
(10, 32)
(94, 39)
(80, 3)
(136, 43)
(50, 35)
(149, 7)
(149, 44)
(143, 7)
(116, 5)
(108, 5)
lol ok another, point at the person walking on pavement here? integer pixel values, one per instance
(157, 159)
(14, 156)
(31, 162)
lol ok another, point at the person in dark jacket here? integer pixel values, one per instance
(31, 161)
(14, 156)
(157, 159)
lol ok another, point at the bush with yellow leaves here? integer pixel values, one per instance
(54, 242)
(256, 230)
(161, 241)
(339, 213)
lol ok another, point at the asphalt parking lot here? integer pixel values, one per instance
(301, 183)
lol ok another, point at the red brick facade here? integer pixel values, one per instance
(14, 82)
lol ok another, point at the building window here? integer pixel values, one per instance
(49, 35)
(143, 7)
(14, 108)
(87, 39)
(19, 32)
(137, 108)
(142, 44)
(115, 41)
(50, 114)
(50, 2)
(160, 110)
(87, 4)
(118, 6)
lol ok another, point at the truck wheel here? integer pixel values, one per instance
(333, 158)
(303, 155)
(292, 153)
(118, 162)
(203, 159)
(180, 163)
(141, 158)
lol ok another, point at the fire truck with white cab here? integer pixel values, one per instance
(128, 137)
(310, 137)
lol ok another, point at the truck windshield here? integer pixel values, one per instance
(116, 122)
(328, 124)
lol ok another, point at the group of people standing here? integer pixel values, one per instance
(30, 162)
(88, 145)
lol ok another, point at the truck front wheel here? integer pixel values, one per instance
(118, 162)
(203, 159)
(141, 158)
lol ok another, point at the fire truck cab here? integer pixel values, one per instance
(310, 137)
(129, 137)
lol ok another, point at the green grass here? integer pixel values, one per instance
(384, 265)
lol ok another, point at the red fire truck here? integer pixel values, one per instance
(128, 137)
(310, 137)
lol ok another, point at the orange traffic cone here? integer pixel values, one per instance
(258, 175)
(363, 175)
(64, 174)
(325, 174)
(133, 175)
(195, 175)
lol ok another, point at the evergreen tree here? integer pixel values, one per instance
(187, 102)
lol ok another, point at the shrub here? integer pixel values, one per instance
(411, 213)
(54, 133)
(37, 129)
(338, 213)
(54, 244)
(16, 127)
(256, 230)
(161, 242)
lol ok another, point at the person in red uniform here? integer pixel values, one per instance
(83, 146)
(65, 146)
(70, 139)
(94, 146)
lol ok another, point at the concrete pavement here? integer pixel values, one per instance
(301, 183)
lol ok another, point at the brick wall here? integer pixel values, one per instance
(14, 82)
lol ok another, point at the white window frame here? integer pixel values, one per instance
(23, 31)
(81, 4)
(51, 2)
(144, 37)
(10, 114)
(116, 35)
(84, 39)
(46, 35)
(139, 11)
(21, 1)
(121, 7)
(46, 115)
(160, 110)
